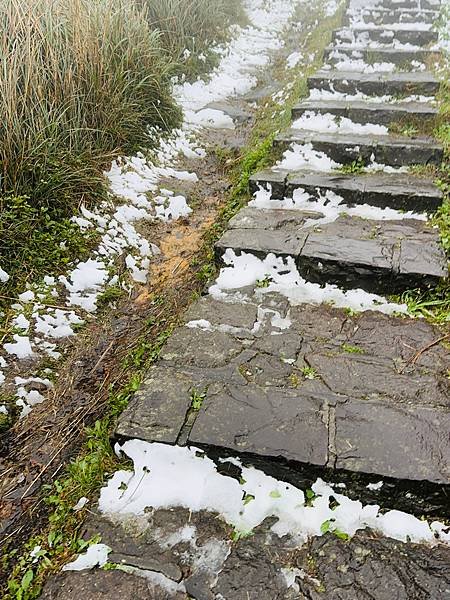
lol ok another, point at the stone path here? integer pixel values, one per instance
(257, 372)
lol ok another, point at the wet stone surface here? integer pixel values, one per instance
(388, 16)
(359, 111)
(389, 150)
(399, 57)
(185, 555)
(386, 36)
(377, 256)
(385, 190)
(330, 390)
(376, 84)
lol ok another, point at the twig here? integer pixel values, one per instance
(414, 358)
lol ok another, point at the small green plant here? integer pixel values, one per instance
(309, 373)
(356, 166)
(310, 497)
(264, 283)
(352, 349)
(197, 399)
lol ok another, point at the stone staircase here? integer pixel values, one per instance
(381, 407)
(296, 376)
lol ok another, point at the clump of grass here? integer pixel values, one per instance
(80, 82)
(193, 26)
(79, 79)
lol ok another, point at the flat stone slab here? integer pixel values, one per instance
(386, 36)
(387, 16)
(396, 151)
(377, 256)
(411, 4)
(359, 111)
(330, 390)
(397, 56)
(393, 190)
(209, 566)
(376, 84)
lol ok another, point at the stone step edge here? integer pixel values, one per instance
(423, 109)
(384, 28)
(384, 149)
(375, 84)
(423, 197)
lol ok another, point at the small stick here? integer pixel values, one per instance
(414, 358)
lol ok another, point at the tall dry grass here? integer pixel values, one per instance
(192, 25)
(79, 81)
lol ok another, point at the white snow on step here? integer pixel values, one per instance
(303, 156)
(328, 123)
(330, 205)
(321, 94)
(246, 269)
(166, 477)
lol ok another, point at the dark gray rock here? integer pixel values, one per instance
(199, 348)
(377, 256)
(158, 409)
(381, 257)
(392, 190)
(233, 314)
(388, 16)
(369, 566)
(376, 378)
(398, 56)
(105, 585)
(232, 110)
(272, 220)
(390, 150)
(159, 542)
(261, 242)
(359, 111)
(387, 36)
(376, 84)
(412, 4)
(396, 439)
(275, 179)
(367, 392)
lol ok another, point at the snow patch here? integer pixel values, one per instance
(246, 269)
(173, 476)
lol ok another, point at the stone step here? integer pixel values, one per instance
(411, 4)
(360, 111)
(385, 190)
(376, 84)
(383, 257)
(397, 56)
(396, 151)
(385, 36)
(331, 389)
(383, 16)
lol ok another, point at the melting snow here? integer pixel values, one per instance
(172, 476)
(95, 556)
(328, 123)
(330, 205)
(4, 277)
(246, 269)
